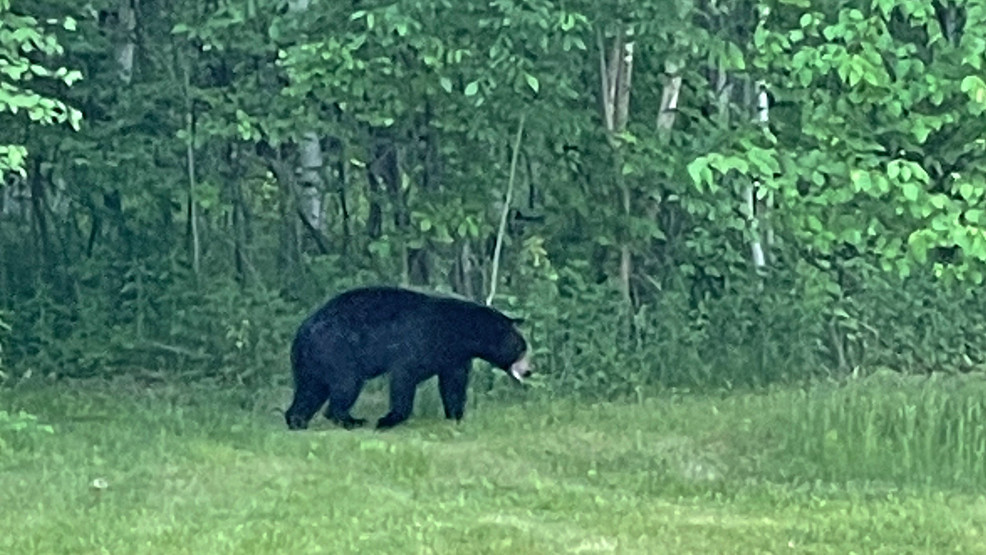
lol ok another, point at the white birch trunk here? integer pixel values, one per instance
(311, 163)
(763, 113)
(125, 49)
(756, 243)
(669, 99)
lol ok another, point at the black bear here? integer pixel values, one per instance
(366, 332)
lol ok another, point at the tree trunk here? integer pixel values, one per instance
(38, 208)
(289, 253)
(126, 28)
(242, 233)
(615, 74)
(310, 182)
(311, 163)
(342, 175)
(669, 99)
(763, 215)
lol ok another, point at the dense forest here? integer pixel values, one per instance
(675, 193)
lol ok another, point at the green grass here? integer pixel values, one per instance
(206, 470)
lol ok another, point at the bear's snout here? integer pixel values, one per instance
(522, 368)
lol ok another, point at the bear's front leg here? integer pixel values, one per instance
(308, 397)
(452, 386)
(402, 388)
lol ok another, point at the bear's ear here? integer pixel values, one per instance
(517, 321)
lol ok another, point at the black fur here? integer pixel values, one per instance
(367, 332)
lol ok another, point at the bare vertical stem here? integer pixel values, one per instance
(506, 210)
(190, 165)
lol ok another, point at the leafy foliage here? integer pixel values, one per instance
(23, 41)
(241, 162)
(881, 148)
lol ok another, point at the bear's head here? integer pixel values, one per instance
(512, 354)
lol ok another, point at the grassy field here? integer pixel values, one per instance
(182, 469)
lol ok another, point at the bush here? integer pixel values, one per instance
(795, 325)
(230, 334)
(217, 331)
(18, 430)
(586, 342)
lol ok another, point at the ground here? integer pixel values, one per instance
(209, 470)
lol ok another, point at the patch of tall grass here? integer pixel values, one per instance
(887, 427)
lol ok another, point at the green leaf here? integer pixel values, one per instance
(445, 83)
(734, 57)
(763, 160)
(918, 243)
(911, 190)
(709, 179)
(532, 82)
(472, 88)
(697, 170)
(971, 83)
(974, 86)
(920, 130)
(905, 171)
(832, 32)
(919, 173)
(881, 185)
(875, 78)
(886, 6)
(567, 22)
(855, 74)
(861, 180)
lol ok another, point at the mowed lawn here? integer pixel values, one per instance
(133, 468)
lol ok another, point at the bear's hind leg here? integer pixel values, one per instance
(402, 389)
(341, 400)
